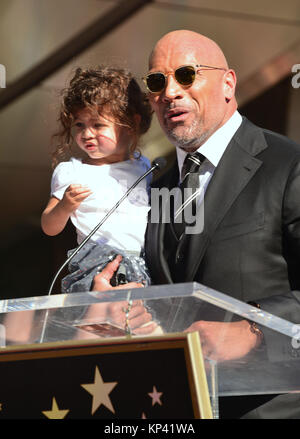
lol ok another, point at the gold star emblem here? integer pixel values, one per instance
(55, 413)
(100, 391)
(155, 395)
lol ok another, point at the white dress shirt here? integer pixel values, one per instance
(213, 149)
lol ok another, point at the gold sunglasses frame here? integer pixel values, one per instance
(197, 66)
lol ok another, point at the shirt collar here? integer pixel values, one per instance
(215, 146)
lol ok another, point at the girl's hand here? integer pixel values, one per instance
(73, 196)
(57, 212)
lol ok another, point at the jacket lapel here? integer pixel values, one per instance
(156, 230)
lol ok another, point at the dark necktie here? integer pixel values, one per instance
(189, 187)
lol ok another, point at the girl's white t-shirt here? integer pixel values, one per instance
(125, 228)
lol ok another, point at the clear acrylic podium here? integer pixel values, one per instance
(79, 318)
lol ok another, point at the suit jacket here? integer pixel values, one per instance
(250, 244)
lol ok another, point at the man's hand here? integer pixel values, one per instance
(139, 319)
(225, 341)
(102, 280)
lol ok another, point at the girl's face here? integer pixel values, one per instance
(101, 139)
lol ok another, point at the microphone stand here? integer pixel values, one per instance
(156, 164)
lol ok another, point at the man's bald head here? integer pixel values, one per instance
(188, 41)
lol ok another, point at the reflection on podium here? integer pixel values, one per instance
(77, 355)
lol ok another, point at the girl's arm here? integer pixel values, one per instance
(57, 213)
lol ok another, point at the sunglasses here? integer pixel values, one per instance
(184, 75)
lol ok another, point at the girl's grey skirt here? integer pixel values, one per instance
(91, 260)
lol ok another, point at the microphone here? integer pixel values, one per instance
(158, 163)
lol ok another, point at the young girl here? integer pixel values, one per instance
(105, 112)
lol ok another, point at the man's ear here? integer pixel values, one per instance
(229, 85)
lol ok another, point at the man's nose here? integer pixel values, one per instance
(173, 89)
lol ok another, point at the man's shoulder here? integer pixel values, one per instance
(279, 143)
(273, 138)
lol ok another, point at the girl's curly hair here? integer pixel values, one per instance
(103, 89)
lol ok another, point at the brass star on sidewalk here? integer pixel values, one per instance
(55, 413)
(100, 391)
(155, 395)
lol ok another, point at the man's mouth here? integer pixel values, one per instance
(176, 115)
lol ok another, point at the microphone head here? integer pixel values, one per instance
(159, 162)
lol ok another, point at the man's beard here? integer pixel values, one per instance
(186, 138)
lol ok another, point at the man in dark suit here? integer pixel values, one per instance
(249, 247)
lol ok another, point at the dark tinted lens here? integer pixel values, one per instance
(185, 75)
(155, 82)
